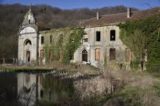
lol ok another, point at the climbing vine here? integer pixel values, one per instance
(73, 43)
(65, 42)
(141, 35)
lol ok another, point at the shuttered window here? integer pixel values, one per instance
(97, 54)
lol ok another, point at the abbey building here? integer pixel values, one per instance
(101, 43)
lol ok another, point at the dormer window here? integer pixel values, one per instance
(112, 35)
(98, 36)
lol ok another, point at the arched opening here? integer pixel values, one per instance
(27, 42)
(84, 55)
(28, 56)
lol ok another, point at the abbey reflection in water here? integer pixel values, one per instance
(28, 89)
(34, 88)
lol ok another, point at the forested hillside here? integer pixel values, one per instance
(11, 17)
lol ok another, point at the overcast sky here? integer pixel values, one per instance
(70, 4)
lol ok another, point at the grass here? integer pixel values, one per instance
(6, 68)
(56, 66)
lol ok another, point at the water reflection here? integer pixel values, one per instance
(30, 89)
(8, 89)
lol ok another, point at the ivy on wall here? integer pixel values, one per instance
(65, 42)
(141, 35)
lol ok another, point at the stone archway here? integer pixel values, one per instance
(84, 55)
(27, 50)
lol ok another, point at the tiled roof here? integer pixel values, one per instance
(119, 18)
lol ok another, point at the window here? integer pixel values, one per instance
(97, 54)
(27, 42)
(50, 38)
(98, 36)
(112, 53)
(84, 55)
(42, 53)
(41, 93)
(112, 35)
(42, 39)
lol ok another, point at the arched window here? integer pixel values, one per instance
(112, 35)
(27, 42)
(84, 55)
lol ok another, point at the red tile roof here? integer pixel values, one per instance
(119, 18)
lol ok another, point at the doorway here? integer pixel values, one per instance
(28, 56)
(84, 55)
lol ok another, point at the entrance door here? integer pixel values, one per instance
(28, 56)
(84, 55)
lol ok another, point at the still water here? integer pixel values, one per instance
(36, 89)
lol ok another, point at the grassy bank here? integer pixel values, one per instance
(56, 66)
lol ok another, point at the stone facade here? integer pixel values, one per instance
(28, 40)
(29, 88)
(100, 45)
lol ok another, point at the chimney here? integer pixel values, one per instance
(128, 12)
(97, 15)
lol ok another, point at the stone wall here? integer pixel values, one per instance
(104, 45)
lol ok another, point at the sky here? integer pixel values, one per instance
(72, 4)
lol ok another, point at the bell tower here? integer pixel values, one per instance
(28, 40)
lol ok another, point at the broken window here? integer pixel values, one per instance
(112, 53)
(42, 39)
(97, 54)
(112, 35)
(98, 36)
(41, 93)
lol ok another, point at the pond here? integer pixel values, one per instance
(37, 89)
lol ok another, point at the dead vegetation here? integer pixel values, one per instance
(121, 88)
